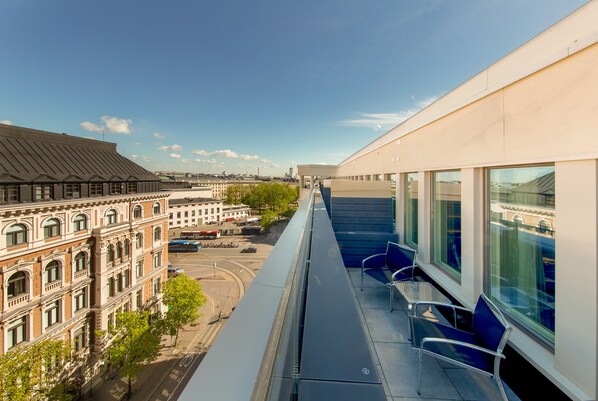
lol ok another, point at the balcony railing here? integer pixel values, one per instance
(18, 300)
(259, 340)
(53, 285)
(81, 273)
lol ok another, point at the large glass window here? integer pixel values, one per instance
(16, 235)
(447, 222)
(521, 252)
(411, 208)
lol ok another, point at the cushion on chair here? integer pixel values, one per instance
(423, 328)
(398, 257)
(487, 328)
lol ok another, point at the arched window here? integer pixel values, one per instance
(126, 246)
(139, 240)
(51, 228)
(16, 235)
(543, 227)
(137, 212)
(110, 254)
(52, 272)
(119, 250)
(80, 262)
(517, 219)
(157, 208)
(157, 234)
(111, 216)
(17, 284)
(80, 222)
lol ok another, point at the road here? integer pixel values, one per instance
(225, 275)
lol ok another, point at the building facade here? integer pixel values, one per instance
(235, 212)
(496, 188)
(192, 212)
(83, 235)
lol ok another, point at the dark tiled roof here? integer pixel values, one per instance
(542, 185)
(28, 155)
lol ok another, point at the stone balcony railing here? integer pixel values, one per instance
(53, 285)
(17, 300)
(81, 273)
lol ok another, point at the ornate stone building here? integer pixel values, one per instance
(83, 235)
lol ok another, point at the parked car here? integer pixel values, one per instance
(250, 249)
(174, 271)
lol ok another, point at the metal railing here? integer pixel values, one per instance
(255, 356)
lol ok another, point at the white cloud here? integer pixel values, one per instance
(173, 147)
(7, 122)
(206, 161)
(230, 154)
(146, 159)
(175, 155)
(112, 125)
(379, 121)
(117, 125)
(159, 136)
(134, 157)
(91, 127)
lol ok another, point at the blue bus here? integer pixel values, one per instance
(183, 246)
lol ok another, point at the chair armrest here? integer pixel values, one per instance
(460, 343)
(371, 259)
(455, 308)
(394, 275)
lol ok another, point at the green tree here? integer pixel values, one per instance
(184, 297)
(268, 218)
(134, 344)
(35, 372)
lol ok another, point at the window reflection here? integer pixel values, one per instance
(521, 245)
(447, 222)
(411, 208)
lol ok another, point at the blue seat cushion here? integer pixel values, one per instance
(397, 257)
(423, 328)
(487, 328)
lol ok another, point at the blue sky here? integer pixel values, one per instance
(233, 85)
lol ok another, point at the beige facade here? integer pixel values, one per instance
(535, 107)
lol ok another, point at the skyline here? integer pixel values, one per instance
(212, 87)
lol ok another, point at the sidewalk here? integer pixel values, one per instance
(191, 342)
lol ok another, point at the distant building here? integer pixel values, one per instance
(191, 212)
(83, 234)
(236, 212)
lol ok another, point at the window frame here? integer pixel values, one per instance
(13, 235)
(52, 228)
(80, 222)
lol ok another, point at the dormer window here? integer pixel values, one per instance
(44, 192)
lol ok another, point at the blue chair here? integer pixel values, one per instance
(480, 348)
(396, 264)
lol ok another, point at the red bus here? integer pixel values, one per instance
(203, 234)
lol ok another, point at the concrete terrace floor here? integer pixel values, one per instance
(397, 363)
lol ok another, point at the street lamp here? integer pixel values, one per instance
(214, 269)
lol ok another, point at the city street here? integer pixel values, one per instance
(225, 274)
